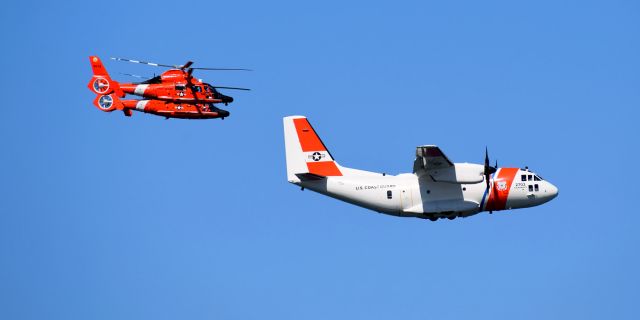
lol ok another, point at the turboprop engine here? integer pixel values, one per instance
(462, 173)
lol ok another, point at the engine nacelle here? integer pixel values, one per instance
(462, 173)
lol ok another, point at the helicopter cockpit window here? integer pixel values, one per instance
(197, 88)
(180, 87)
(206, 88)
(537, 178)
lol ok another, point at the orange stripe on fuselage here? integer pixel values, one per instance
(498, 197)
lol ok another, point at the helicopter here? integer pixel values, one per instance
(173, 94)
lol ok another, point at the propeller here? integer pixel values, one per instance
(181, 67)
(488, 169)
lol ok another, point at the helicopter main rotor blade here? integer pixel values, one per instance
(223, 69)
(134, 75)
(186, 65)
(231, 88)
(147, 63)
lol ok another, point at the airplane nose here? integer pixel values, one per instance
(552, 191)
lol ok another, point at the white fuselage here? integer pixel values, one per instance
(438, 188)
(412, 195)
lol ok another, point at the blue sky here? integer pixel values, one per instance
(108, 217)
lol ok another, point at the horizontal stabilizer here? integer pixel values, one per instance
(309, 176)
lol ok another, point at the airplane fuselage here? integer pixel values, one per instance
(412, 195)
(437, 188)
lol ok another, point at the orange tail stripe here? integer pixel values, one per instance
(326, 168)
(309, 140)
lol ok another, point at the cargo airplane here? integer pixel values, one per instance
(437, 188)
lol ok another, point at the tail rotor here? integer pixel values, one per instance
(108, 103)
(101, 83)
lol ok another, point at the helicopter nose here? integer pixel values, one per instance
(223, 113)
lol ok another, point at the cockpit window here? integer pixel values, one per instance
(536, 178)
(524, 177)
(530, 177)
(197, 88)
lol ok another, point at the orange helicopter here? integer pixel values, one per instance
(173, 94)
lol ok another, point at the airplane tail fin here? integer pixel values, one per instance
(101, 83)
(306, 154)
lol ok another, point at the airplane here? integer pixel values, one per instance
(173, 94)
(436, 189)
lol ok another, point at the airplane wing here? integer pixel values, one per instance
(430, 158)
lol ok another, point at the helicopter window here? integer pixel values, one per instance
(389, 194)
(536, 178)
(197, 88)
(524, 177)
(179, 87)
(530, 177)
(536, 186)
(530, 188)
